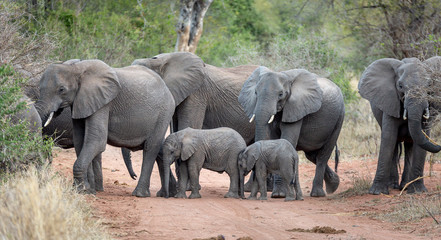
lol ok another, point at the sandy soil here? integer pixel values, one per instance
(129, 217)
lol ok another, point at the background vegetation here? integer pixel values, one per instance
(334, 38)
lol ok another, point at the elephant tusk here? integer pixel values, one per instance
(252, 118)
(271, 119)
(426, 114)
(49, 119)
(405, 114)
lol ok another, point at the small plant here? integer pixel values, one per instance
(360, 186)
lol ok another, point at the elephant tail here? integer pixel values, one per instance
(128, 161)
(337, 158)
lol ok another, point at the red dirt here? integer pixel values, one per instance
(129, 217)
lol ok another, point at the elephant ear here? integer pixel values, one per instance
(254, 154)
(189, 146)
(183, 73)
(247, 96)
(306, 95)
(378, 85)
(98, 85)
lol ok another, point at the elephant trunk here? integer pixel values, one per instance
(241, 184)
(415, 114)
(166, 163)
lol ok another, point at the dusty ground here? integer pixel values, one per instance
(128, 217)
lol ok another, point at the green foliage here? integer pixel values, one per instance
(309, 51)
(18, 145)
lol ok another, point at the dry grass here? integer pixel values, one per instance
(415, 208)
(360, 186)
(39, 204)
(360, 135)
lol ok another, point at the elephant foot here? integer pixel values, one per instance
(379, 188)
(416, 187)
(263, 198)
(393, 183)
(180, 195)
(299, 197)
(188, 188)
(289, 199)
(332, 183)
(317, 192)
(231, 195)
(99, 188)
(194, 195)
(247, 186)
(138, 192)
(161, 193)
(278, 192)
(252, 198)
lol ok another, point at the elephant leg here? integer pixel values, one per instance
(98, 173)
(288, 177)
(290, 132)
(417, 170)
(394, 175)
(182, 180)
(254, 186)
(233, 173)
(90, 180)
(193, 173)
(261, 181)
(150, 151)
(172, 180)
(389, 135)
(93, 144)
(408, 150)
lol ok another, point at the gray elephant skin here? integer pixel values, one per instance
(214, 149)
(60, 128)
(127, 107)
(389, 84)
(302, 108)
(205, 95)
(29, 115)
(271, 156)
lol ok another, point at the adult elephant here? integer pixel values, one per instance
(391, 87)
(61, 127)
(109, 105)
(302, 108)
(205, 96)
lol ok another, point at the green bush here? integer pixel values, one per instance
(308, 51)
(18, 145)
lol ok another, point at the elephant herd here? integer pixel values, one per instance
(215, 113)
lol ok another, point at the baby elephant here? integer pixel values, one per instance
(270, 156)
(194, 149)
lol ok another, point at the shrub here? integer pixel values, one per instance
(19, 146)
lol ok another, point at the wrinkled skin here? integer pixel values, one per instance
(271, 156)
(60, 129)
(108, 105)
(302, 108)
(389, 85)
(205, 95)
(30, 116)
(214, 149)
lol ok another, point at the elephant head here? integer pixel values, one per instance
(182, 72)
(392, 85)
(85, 86)
(177, 146)
(290, 94)
(246, 161)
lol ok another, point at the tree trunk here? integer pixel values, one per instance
(190, 24)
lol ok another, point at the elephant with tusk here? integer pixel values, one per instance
(391, 85)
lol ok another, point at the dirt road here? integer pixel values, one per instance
(128, 217)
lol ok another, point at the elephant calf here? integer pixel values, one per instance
(214, 149)
(273, 156)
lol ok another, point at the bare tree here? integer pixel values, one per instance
(190, 24)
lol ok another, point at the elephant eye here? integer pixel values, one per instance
(61, 90)
(154, 57)
(281, 95)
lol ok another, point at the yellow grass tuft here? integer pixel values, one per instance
(40, 204)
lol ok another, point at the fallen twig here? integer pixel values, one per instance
(407, 184)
